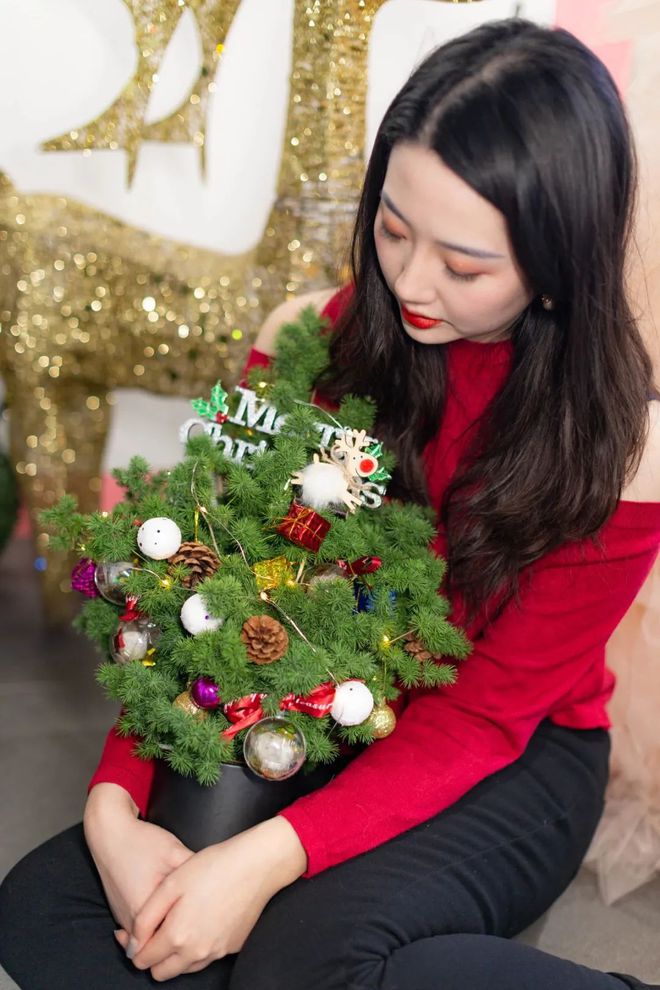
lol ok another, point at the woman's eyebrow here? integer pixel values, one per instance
(473, 252)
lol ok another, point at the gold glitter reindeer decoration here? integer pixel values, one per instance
(123, 125)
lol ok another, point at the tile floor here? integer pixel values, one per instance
(53, 719)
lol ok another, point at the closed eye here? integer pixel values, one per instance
(386, 232)
(460, 276)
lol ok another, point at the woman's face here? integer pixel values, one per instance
(445, 252)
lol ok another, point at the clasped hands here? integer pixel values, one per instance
(177, 910)
(206, 907)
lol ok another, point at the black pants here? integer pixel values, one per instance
(433, 909)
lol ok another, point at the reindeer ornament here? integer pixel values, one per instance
(341, 476)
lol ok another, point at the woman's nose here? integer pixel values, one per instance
(413, 284)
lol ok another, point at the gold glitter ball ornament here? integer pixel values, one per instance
(187, 705)
(272, 573)
(382, 721)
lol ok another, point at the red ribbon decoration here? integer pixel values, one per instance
(131, 613)
(317, 704)
(363, 565)
(242, 713)
(247, 710)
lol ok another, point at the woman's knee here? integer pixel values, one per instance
(19, 896)
(32, 895)
(483, 962)
(305, 939)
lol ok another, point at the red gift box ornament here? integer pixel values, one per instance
(304, 527)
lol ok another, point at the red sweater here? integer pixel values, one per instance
(543, 659)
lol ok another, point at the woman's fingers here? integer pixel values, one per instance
(122, 937)
(157, 933)
(175, 965)
(155, 910)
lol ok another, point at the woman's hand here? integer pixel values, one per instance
(206, 908)
(132, 857)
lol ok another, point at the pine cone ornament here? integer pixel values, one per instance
(416, 648)
(201, 561)
(265, 639)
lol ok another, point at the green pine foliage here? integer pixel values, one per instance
(235, 509)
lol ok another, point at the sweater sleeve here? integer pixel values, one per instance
(120, 765)
(540, 656)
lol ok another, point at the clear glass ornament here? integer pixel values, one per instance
(274, 748)
(321, 573)
(133, 640)
(107, 578)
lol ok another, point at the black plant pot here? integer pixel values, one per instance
(200, 816)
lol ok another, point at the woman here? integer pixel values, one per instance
(488, 318)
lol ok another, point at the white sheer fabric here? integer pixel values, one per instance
(625, 851)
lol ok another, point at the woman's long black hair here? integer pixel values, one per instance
(532, 120)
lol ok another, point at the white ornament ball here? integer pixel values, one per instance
(196, 618)
(159, 538)
(353, 703)
(323, 485)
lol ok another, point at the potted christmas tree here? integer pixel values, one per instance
(260, 604)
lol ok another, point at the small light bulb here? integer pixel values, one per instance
(386, 641)
(165, 583)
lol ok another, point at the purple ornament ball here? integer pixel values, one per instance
(205, 693)
(82, 578)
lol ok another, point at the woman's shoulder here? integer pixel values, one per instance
(287, 312)
(645, 485)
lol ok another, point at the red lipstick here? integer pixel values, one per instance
(416, 320)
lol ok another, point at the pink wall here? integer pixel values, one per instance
(585, 19)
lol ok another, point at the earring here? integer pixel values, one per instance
(547, 302)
